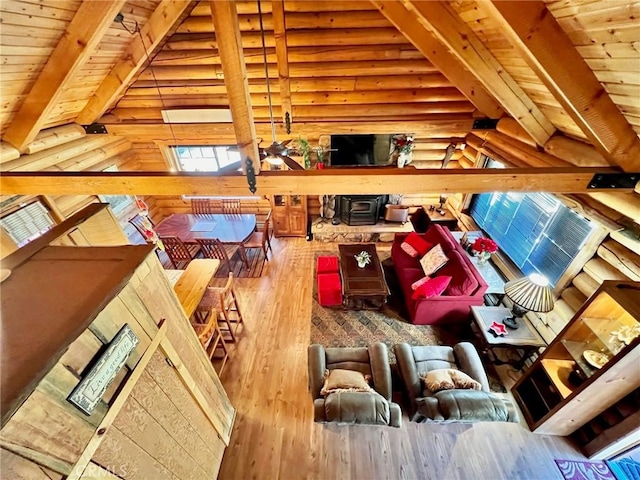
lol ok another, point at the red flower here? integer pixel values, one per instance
(485, 245)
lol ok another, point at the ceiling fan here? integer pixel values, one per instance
(277, 153)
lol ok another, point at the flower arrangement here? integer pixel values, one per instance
(484, 245)
(403, 143)
(363, 258)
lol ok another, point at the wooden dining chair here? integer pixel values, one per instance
(179, 253)
(259, 239)
(214, 248)
(201, 206)
(206, 326)
(231, 206)
(224, 302)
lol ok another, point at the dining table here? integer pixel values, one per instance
(233, 229)
(191, 283)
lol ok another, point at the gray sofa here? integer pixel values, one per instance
(455, 405)
(373, 408)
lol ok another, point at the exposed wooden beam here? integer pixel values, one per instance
(78, 42)
(549, 51)
(222, 133)
(133, 59)
(280, 34)
(307, 182)
(225, 22)
(439, 56)
(456, 35)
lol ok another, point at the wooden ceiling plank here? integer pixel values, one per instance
(76, 45)
(458, 37)
(439, 56)
(133, 59)
(551, 54)
(225, 22)
(280, 34)
(306, 182)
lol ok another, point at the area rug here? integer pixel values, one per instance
(579, 470)
(335, 327)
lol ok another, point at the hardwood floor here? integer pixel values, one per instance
(275, 436)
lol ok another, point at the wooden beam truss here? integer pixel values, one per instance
(549, 51)
(133, 59)
(456, 35)
(76, 45)
(306, 182)
(439, 56)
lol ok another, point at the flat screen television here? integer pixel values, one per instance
(362, 149)
(352, 150)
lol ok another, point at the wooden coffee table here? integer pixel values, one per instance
(362, 288)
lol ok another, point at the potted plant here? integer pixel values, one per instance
(305, 150)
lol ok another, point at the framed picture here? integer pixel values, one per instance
(118, 203)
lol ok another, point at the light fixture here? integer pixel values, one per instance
(273, 160)
(528, 294)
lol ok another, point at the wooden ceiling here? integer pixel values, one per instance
(427, 68)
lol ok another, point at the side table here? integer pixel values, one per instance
(524, 338)
(490, 274)
(448, 220)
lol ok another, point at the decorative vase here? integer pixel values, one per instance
(483, 258)
(402, 160)
(307, 160)
(362, 263)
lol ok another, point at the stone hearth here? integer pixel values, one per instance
(324, 231)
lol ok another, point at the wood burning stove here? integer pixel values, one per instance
(360, 209)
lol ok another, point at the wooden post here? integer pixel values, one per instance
(280, 34)
(225, 21)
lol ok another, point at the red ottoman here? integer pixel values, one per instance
(329, 289)
(327, 265)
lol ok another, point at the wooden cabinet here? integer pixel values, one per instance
(289, 215)
(166, 414)
(589, 368)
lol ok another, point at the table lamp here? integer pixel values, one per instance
(528, 294)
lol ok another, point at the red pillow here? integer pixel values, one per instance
(419, 244)
(433, 288)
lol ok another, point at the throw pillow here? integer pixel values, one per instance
(339, 380)
(415, 246)
(448, 379)
(433, 287)
(418, 283)
(433, 260)
(462, 380)
(437, 380)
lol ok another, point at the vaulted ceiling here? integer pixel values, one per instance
(566, 72)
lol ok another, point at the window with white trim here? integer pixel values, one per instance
(220, 159)
(28, 223)
(207, 158)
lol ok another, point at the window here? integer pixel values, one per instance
(221, 159)
(535, 230)
(28, 223)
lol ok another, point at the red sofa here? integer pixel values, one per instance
(467, 287)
